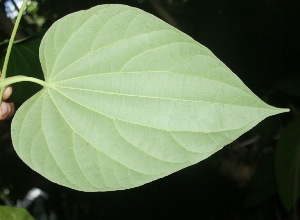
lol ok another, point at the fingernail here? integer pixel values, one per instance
(7, 93)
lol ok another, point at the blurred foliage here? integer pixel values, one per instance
(32, 7)
(287, 164)
(11, 213)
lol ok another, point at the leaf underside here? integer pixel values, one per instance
(130, 100)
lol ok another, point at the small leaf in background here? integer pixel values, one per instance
(24, 60)
(12, 213)
(130, 99)
(287, 164)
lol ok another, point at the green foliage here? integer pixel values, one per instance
(131, 102)
(12, 213)
(32, 7)
(24, 58)
(287, 164)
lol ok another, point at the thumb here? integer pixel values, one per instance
(6, 110)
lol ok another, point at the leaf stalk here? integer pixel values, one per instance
(11, 41)
(14, 79)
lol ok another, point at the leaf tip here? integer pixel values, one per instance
(276, 111)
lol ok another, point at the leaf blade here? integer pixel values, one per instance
(129, 104)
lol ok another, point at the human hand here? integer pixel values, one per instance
(7, 109)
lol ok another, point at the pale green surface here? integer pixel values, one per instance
(13, 213)
(130, 100)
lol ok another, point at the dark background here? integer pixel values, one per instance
(259, 41)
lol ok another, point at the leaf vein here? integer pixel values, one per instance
(49, 148)
(136, 147)
(102, 48)
(90, 144)
(79, 165)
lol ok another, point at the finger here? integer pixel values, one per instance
(7, 93)
(12, 109)
(5, 110)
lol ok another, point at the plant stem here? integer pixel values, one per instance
(11, 41)
(15, 79)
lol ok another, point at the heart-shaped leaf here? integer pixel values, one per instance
(130, 99)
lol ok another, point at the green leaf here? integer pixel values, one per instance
(24, 60)
(130, 99)
(12, 213)
(287, 165)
